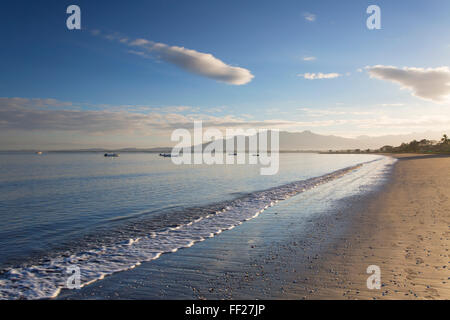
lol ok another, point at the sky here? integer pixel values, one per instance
(137, 71)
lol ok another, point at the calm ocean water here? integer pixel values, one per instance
(106, 215)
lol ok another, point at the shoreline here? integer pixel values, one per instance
(262, 259)
(403, 229)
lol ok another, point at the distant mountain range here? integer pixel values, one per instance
(308, 141)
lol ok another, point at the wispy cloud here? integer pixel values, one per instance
(333, 112)
(309, 58)
(41, 115)
(310, 17)
(139, 53)
(140, 125)
(426, 83)
(320, 75)
(204, 64)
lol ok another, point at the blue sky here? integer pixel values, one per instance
(279, 43)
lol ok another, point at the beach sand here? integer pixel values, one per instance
(404, 229)
(321, 253)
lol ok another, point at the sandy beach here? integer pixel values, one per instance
(404, 229)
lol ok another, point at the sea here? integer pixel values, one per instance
(85, 214)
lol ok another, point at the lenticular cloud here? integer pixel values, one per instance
(203, 64)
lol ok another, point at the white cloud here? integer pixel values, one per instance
(200, 63)
(139, 53)
(320, 75)
(203, 64)
(309, 58)
(140, 42)
(426, 83)
(310, 17)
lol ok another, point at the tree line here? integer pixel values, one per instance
(422, 146)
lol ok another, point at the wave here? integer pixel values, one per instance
(47, 277)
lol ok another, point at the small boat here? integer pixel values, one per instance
(111, 155)
(39, 153)
(165, 155)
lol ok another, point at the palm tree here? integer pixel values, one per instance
(445, 139)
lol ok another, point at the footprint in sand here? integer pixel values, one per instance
(411, 274)
(432, 292)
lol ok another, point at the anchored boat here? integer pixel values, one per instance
(111, 155)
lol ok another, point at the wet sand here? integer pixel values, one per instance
(321, 253)
(404, 229)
